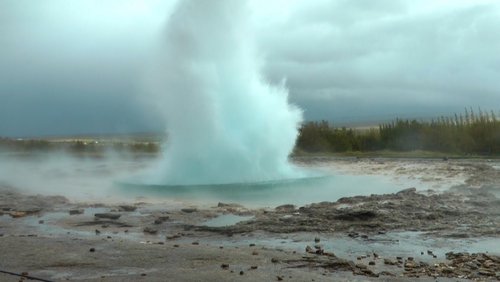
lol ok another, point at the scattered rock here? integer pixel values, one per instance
(316, 240)
(241, 272)
(255, 253)
(75, 211)
(127, 208)
(195, 243)
(161, 219)
(189, 210)
(253, 267)
(407, 191)
(371, 263)
(18, 214)
(361, 266)
(361, 215)
(285, 208)
(97, 232)
(389, 261)
(309, 249)
(274, 260)
(112, 216)
(224, 266)
(252, 245)
(387, 273)
(41, 221)
(92, 250)
(353, 234)
(150, 230)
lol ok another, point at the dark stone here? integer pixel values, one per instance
(241, 272)
(127, 208)
(189, 210)
(75, 211)
(224, 266)
(389, 261)
(150, 230)
(161, 219)
(361, 266)
(412, 190)
(371, 263)
(356, 215)
(285, 208)
(353, 234)
(92, 250)
(112, 216)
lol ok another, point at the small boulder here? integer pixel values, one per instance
(112, 216)
(150, 230)
(75, 211)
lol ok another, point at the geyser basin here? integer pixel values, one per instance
(299, 191)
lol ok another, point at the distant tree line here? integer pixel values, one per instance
(467, 133)
(76, 146)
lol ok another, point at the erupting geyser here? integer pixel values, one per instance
(225, 123)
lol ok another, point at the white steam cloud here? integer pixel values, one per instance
(226, 124)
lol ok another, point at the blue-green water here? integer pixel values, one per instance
(272, 193)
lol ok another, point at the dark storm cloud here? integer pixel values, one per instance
(77, 66)
(387, 57)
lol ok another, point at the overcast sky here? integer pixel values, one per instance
(76, 67)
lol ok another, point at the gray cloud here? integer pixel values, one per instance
(387, 58)
(70, 67)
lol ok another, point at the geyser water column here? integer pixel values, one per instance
(225, 123)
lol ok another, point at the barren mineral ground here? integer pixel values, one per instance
(440, 220)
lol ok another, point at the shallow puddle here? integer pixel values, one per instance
(225, 220)
(390, 245)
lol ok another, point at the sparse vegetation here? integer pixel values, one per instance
(464, 134)
(78, 147)
(469, 133)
